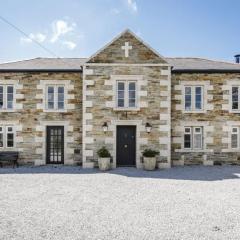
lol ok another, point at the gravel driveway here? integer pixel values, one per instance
(126, 203)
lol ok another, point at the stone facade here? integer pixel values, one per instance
(90, 102)
(153, 77)
(30, 119)
(216, 119)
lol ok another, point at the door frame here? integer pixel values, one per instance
(139, 127)
(47, 139)
(135, 142)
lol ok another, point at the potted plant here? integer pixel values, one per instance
(104, 158)
(149, 159)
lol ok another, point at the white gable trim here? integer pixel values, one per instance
(117, 37)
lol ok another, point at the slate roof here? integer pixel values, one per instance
(74, 64)
(45, 64)
(201, 65)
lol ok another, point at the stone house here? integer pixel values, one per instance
(126, 97)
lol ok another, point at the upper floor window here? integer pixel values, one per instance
(235, 98)
(126, 94)
(6, 137)
(193, 137)
(55, 97)
(6, 97)
(193, 98)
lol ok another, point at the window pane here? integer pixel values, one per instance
(1, 97)
(10, 140)
(234, 140)
(120, 94)
(50, 89)
(9, 105)
(60, 97)
(188, 90)
(198, 98)
(10, 89)
(50, 105)
(60, 89)
(50, 97)
(187, 141)
(120, 86)
(60, 105)
(10, 97)
(132, 94)
(234, 97)
(120, 102)
(132, 103)
(188, 98)
(132, 86)
(197, 141)
(1, 139)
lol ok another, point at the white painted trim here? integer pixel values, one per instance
(43, 84)
(136, 78)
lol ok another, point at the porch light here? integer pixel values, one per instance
(105, 127)
(148, 127)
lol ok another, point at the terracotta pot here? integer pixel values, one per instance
(149, 163)
(104, 164)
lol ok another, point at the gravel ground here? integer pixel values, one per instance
(126, 203)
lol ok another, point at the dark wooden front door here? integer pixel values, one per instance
(126, 145)
(55, 144)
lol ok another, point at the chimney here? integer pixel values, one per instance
(237, 58)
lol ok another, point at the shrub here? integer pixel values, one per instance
(150, 153)
(103, 153)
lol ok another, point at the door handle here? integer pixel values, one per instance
(125, 146)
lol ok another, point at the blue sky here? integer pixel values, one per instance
(78, 28)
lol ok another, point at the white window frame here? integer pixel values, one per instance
(192, 133)
(238, 138)
(193, 98)
(5, 96)
(126, 95)
(5, 139)
(55, 100)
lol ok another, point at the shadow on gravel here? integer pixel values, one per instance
(198, 173)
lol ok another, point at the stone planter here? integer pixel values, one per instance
(149, 163)
(104, 164)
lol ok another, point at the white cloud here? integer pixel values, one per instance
(69, 44)
(132, 5)
(114, 11)
(60, 28)
(39, 37)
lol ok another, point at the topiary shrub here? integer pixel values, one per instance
(103, 153)
(149, 153)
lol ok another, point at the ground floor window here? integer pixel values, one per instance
(235, 137)
(6, 137)
(193, 137)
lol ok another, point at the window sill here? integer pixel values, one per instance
(230, 150)
(6, 149)
(8, 110)
(234, 111)
(194, 111)
(126, 109)
(55, 111)
(194, 150)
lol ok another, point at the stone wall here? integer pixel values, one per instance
(99, 107)
(30, 118)
(216, 119)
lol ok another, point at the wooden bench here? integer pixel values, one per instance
(9, 156)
